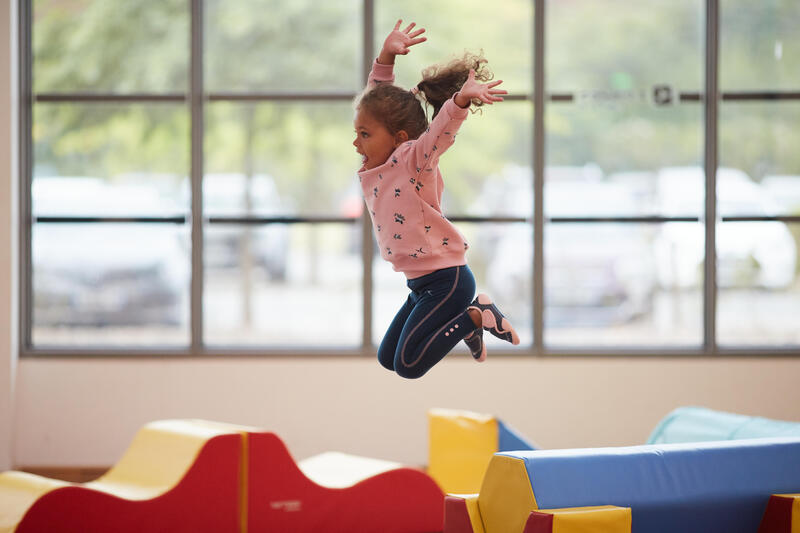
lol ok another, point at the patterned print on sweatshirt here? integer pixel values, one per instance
(409, 224)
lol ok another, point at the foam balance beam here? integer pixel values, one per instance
(461, 444)
(692, 488)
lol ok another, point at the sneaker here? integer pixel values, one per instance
(493, 320)
(476, 346)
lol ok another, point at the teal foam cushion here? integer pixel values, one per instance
(698, 424)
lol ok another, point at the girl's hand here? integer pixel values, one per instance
(397, 43)
(486, 93)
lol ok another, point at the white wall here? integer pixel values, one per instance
(84, 412)
(8, 227)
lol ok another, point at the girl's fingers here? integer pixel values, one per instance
(397, 26)
(410, 27)
(494, 83)
(490, 96)
(498, 91)
(417, 41)
(416, 33)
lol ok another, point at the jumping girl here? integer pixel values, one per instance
(403, 186)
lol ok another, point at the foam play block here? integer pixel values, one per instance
(198, 476)
(782, 514)
(461, 514)
(692, 488)
(336, 493)
(696, 424)
(600, 519)
(461, 444)
(177, 475)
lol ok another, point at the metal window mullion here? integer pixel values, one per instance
(538, 174)
(25, 87)
(366, 225)
(280, 97)
(103, 98)
(711, 104)
(196, 110)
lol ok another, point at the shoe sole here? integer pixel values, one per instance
(490, 321)
(482, 358)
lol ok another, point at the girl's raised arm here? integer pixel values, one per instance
(398, 42)
(485, 92)
(441, 133)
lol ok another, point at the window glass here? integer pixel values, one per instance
(625, 46)
(650, 155)
(625, 145)
(623, 284)
(279, 285)
(760, 172)
(453, 26)
(281, 159)
(272, 45)
(123, 285)
(759, 45)
(105, 283)
(133, 144)
(758, 261)
(101, 46)
(493, 148)
(624, 138)
(759, 287)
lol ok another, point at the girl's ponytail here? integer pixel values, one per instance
(440, 82)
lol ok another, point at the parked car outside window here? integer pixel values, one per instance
(106, 274)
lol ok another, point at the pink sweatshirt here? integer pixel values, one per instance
(404, 196)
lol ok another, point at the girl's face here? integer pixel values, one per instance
(373, 141)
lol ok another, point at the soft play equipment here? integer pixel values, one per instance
(177, 475)
(461, 444)
(335, 493)
(696, 424)
(689, 488)
(198, 476)
(782, 514)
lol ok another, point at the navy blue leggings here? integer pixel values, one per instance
(431, 322)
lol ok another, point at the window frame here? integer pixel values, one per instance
(196, 98)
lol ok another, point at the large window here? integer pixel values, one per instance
(189, 178)
(758, 182)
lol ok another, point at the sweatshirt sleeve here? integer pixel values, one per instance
(439, 136)
(380, 74)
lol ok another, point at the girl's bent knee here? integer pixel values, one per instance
(386, 361)
(410, 372)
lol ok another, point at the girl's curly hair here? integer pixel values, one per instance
(399, 109)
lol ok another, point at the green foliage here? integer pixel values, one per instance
(274, 45)
(268, 45)
(111, 46)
